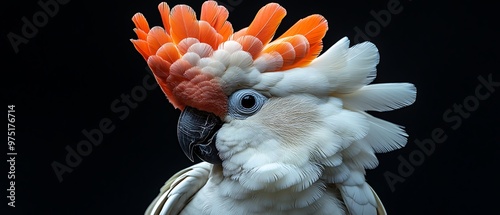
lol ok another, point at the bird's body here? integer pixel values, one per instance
(283, 130)
(210, 200)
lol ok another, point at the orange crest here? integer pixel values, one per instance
(174, 51)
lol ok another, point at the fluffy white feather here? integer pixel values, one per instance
(380, 97)
(385, 136)
(340, 69)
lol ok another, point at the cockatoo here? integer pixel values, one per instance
(279, 127)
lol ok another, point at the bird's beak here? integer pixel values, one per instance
(197, 131)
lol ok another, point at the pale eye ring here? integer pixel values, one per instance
(245, 103)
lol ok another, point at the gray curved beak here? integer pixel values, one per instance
(197, 131)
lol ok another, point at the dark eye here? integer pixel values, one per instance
(244, 103)
(248, 101)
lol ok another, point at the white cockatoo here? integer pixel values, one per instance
(280, 128)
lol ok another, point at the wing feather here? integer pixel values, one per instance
(179, 189)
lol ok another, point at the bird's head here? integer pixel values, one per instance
(248, 100)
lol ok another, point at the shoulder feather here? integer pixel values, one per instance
(179, 189)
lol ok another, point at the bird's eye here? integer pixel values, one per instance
(244, 103)
(248, 101)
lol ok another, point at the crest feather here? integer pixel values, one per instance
(314, 28)
(185, 43)
(165, 15)
(142, 47)
(183, 23)
(208, 35)
(266, 22)
(140, 22)
(168, 52)
(216, 16)
(156, 38)
(292, 49)
(251, 45)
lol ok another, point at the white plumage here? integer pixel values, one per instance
(306, 149)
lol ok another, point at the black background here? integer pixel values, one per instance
(67, 76)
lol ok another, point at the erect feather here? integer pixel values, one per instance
(334, 58)
(225, 30)
(168, 52)
(362, 61)
(140, 22)
(183, 23)
(141, 29)
(140, 34)
(210, 13)
(156, 38)
(314, 28)
(142, 47)
(165, 15)
(266, 22)
(347, 69)
(335, 71)
(215, 15)
(208, 35)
